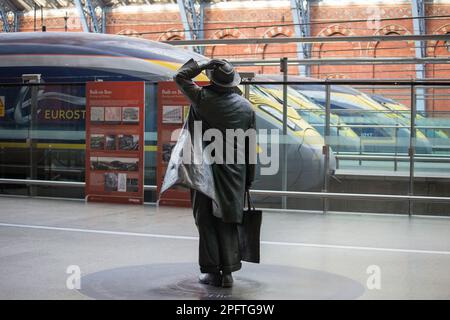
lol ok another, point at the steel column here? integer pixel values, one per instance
(16, 22)
(412, 146)
(326, 147)
(103, 20)
(90, 11)
(284, 141)
(192, 16)
(4, 20)
(300, 10)
(5, 8)
(83, 19)
(89, 20)
(418, 10)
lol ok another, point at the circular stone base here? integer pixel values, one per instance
(180, 281)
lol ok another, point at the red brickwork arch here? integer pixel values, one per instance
(392, 29)
(337, 76)
(273, 32)
(433, 44)
(333, 31)
(335, 50)
(276, 50)
(438, 70)
(129, 33)
(172, 34)
(229, 51)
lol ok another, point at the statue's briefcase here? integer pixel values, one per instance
(249, 232)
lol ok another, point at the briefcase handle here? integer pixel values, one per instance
(249, 200)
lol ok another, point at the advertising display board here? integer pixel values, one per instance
(115, 142)
(173, 109)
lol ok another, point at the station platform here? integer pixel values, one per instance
(150, 252)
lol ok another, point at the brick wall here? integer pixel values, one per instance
(244, 20)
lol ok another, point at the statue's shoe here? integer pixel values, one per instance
(227, 280)
(213, 279)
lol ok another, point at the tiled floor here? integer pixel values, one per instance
(311, 255)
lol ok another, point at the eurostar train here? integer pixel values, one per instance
(300, 134)
(428, 126)
(380, 129)
(342, 137)
(57, 129)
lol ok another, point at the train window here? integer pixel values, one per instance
(267, 95)
(279, 116)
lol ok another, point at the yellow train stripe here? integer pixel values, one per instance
(150, 148)
(60, 146)
(258, 149)
(78, 146)
(14, 145)
(175, 66)
(67, 146)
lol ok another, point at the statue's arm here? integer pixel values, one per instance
(183, 78)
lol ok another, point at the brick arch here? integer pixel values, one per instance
(129, 33)
(272, 33)
(279, 49)
(433, 103)
(333, 30)
(228, 33)
(171, 34)
(337, 76)
(386, 30)
(432, 44)
(343, 50)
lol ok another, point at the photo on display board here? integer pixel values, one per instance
(172, 114)
(122, 182)
(110, 142)
(113, 114)
(114, 163)
(97, 114)
(111, 181)
(128, 142)
(130, 114)
(132, 185)
(97, 141)
(167, 151)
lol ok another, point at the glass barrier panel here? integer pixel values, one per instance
(432, 170)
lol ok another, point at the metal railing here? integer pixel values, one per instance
(325, 195)
(396, 157)
(51, 183)
(377, 38)
(292, 194)
(411, 156)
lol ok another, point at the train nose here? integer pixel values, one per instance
(309, 172)
(346, 144)
(423, 146)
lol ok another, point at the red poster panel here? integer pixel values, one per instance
(172, 111)
(115, 142)
(173, 108)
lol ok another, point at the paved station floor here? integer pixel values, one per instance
(146, 252)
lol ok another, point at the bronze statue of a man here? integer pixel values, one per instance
(219, 106)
